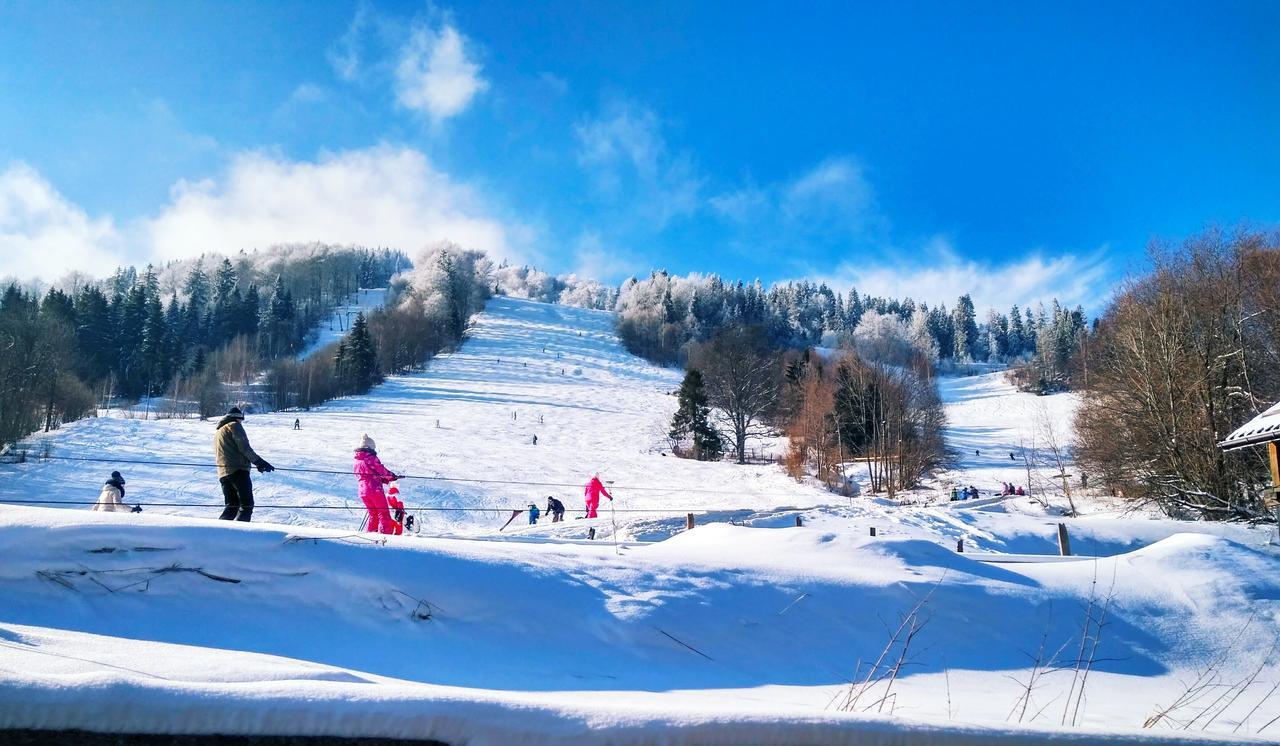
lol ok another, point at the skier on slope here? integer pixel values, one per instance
(592, 493)
(234, 457)
(111, 499)
(397, 509)
(372, 475)
(555, 508)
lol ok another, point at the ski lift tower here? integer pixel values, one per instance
(1261, 430)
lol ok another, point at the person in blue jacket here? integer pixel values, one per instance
(533, 514)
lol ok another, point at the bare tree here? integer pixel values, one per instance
(743, 378)
(1057, 452)
(1181, 358)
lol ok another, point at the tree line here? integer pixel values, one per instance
(660, 317)
(177, 334)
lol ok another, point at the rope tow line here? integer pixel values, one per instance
(408, 508)
(472, 480)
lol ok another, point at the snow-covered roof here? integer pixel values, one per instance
(1261, 429)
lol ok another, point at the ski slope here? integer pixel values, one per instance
(171, 622)
(527, 369)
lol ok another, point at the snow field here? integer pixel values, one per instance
(728, 633)
(548, 640)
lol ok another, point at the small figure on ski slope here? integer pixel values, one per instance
(397, 509)
(592, 493)
(297, 424)
(111, 499)
(533, 514)
(233, 455)
(372, 475)
(555, 508)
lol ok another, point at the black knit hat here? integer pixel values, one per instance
(235, 412)
(115, 477)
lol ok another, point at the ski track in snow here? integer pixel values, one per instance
(538, 635)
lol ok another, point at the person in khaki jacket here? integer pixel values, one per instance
(234, 456)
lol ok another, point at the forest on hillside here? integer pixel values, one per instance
(189, 337)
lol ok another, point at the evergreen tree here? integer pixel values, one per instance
(1016, 341)
(224, 282)
(196, 288)
(965, 330)
(693, 419)
(357, 358)
(94, 334)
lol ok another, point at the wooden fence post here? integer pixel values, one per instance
(1064, 541)
(688, 521)
(873, 530)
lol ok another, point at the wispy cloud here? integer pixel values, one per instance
(346, 56)
(626, 153)
(832, 198)
(595, 259)
(938, 274)
(435, 74)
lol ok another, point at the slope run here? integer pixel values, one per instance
(722, 634)
(526, 369)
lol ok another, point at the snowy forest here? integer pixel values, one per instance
(179, 337)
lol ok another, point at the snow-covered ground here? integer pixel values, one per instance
(724, 634)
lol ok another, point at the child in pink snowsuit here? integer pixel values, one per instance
(373, 475)
(592, 493)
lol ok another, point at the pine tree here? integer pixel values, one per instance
(357, 358)
(196, 288)
(94, 334)
(965, 329)
(693, 419)
(1016, 340)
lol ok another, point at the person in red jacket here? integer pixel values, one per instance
(592, 493)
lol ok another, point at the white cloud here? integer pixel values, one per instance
(593, 259)
(835, 189)
(345, 55)
(381, 196)
(832, 197)
(940, 276)
(44, 235)
(434, 75)
(627, 154)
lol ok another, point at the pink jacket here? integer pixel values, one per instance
(594, 490)
(372, 473)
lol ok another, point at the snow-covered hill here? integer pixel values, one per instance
(169, 621)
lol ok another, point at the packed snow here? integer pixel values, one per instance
(749, 628)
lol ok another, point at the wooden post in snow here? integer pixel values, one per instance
(1064, 541)
(799, 521)
(1273, 451)
(873, 530)
(960, 545)
(688, 521)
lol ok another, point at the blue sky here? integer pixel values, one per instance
(1018, 150)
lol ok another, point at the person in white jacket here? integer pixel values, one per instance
(111, 499)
